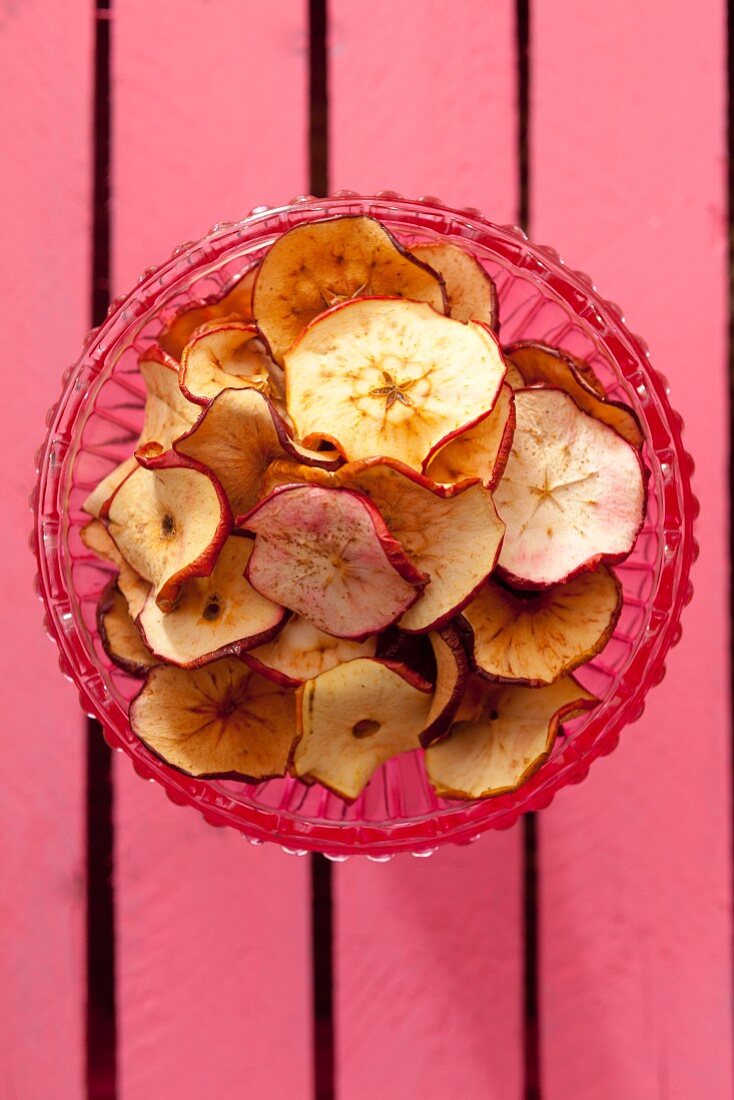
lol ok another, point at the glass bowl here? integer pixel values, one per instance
(97, 420)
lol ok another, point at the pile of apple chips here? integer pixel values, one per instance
(355, 526)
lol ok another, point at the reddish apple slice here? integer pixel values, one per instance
(353, 718)
(536, 637)
(119, 635)
(384, 376)
(301, 651)
(573, 492)
(539, 364)
(453, 535)
(327, 554)
(169, 520)
(470, 293)
(499, 751)
(452, 670)
(234, 304)
(315, 266)
(216, 616)
(97, 538)
(228, 355)
(481, 451)
(220, 720)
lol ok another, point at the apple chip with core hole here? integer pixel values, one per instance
(302, 651)
(216, 616)
(539, 364)
(572, 495)
(313, 267)
(535, 637)
(481, 451)
(470, 293)
(452, 670)
(389, 377)
(97, 538)
(218, 720)
(120, 637)
(225, 356)
(235, 304)
(167, 415)
(169, 521)
(327, 554)
(501, 749)
(353, 718)
(454, 537)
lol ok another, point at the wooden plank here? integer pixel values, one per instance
(628, 181)
(428, 953)
(46, 59)
(210, 119)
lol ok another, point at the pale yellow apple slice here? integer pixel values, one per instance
(216, 616)
(318, 265)
(353, 718)
(536, 637)
(120, 636)
(97, 538)
(234, 304)
(327, 555)
(452, 670)
(507, 744)
(218, 720)
(301, 651)
(383, 376)
(539, 364)
(227, 355)
(572, 495)
(169, 520)
(167, 414)
(470, 292)
(481, 451)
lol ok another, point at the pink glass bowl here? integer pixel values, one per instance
(97, 420)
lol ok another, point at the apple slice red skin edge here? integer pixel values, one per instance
(441, 724)
(269, 673)
(209, 300)
(203, 330)
(503, 455)
(104, 604)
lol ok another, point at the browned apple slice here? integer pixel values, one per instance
(216, 616)
(513, 377)
(384, 376)
(539, 364)
(119, 635)
(302, 651)
(452, 670)
(97, 538)
(453, 534)
(288, 471)
(481, 451)
(234, 304)
(167, 414)
(507, 744)
(315, 266)
(536, 637)
(169, 520)
(218, 720)
(353, 718)
(327, 554)
(470, 293)
(228, 355)
(573, 492)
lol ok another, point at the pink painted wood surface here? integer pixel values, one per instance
(213, 935)
(628, 177)
(46, 61)
(428, 953)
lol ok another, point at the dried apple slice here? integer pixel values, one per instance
(327, 554)
(302, 651)
(481, 451)
(119, 635)
(384, 376)
(453, 534)
(452, 670)
(499, 751)
(573, 492)
(97, 538)
(287, 471)
(169, 520)
(536, 637)
(470, 293)
(552, 367)
(228, 355)
(220, 720)
(216, 616)
(318, 265)
(353, 718)
(235, 303)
